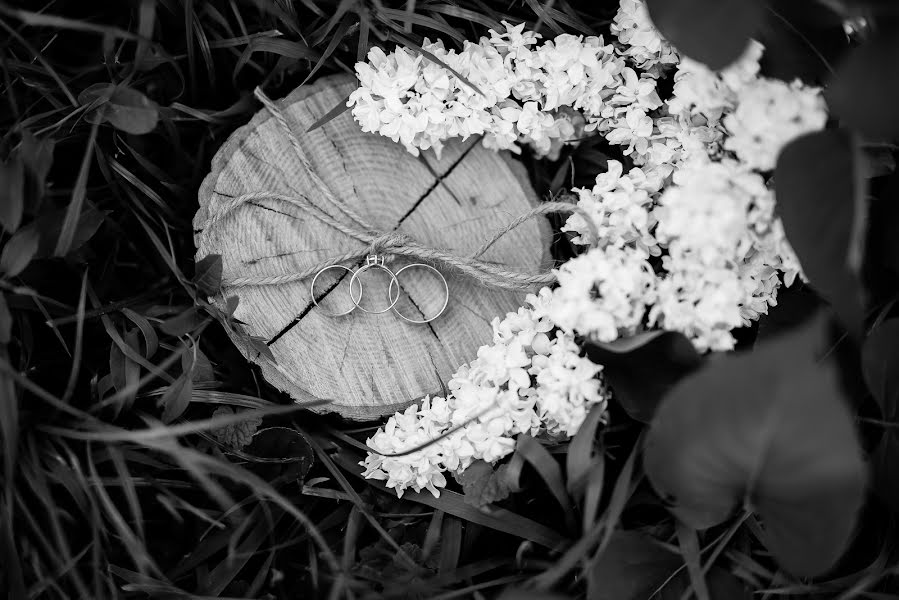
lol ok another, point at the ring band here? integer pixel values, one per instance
(315, 302)
(396, 281)
(373, 261)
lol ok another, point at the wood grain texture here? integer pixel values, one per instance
(366, 365)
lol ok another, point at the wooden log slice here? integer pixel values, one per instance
(367, 365)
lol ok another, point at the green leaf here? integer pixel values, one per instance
(18, 251)
(482, 485)
(714, 32)
(208, 274)
(12, 194)
(864, 90)
(822, 215)
(768, 430)
(642, 369)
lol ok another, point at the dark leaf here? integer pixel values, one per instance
(208, 274)
(722, 585)
(338, 109)
(641, 369)
(151, 340)
(880, 366)
(5, 323)
(12, 194)
(18, 251)
(802, 40)
(714, 32)
(176, 398)
(795, 305)
(280, 46)
(49, 226)
(767, 430)
(819, 204)
(632, 567)
(38, 158)
(283, 452)
(259, 347)
(864, 91)
(125, 372)
(482, 485)
(528, 594)
(198, 364)
(582, 453)
(546, 466)
(185, 323)
(885, 466)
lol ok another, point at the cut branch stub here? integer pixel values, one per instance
(367, 365)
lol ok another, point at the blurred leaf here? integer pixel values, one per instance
(482, 485)
(822, 214)
(688, 542)
(795, 305)
(546, 466)
(49, 225)
(208, 274)
(643, 368)
(284, 452)
(528, 594)
(37, 154)
(864, 91)
(802, 40)
(714, 32)
(880, 366)
(12, 194)
(5, 324)
(176, 398)
(68, 229)
(123, 107)
(632, 567)
(18, 251)
(767, 430)
(582, 452)
(236, 435)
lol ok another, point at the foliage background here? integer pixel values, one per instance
(127, 472)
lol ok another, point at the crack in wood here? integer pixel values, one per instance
(284, 330)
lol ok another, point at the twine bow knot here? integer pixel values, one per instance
(381, 242)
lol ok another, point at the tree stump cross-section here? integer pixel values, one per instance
(366, 365)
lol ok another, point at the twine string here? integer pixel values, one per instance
(373, 241)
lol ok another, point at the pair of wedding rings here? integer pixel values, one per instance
(393, 291)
